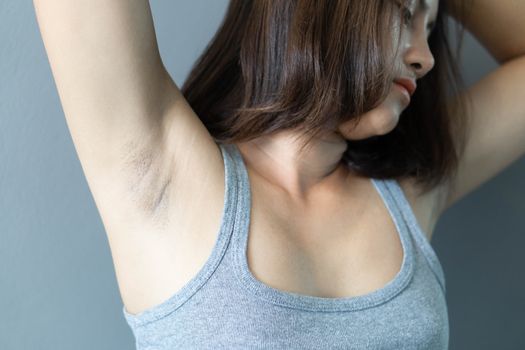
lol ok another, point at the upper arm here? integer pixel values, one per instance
(148, 159)
(108, 72)
(496, 137)
(128, 120)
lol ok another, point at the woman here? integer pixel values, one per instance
(323, 131)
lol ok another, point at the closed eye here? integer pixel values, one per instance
(408, 16)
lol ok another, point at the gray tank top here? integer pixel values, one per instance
(225, 307)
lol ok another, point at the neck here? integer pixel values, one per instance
(277, 160)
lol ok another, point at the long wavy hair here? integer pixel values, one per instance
(310, 65)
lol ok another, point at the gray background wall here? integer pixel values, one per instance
(58, 288)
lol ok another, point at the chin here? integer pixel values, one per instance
(386, 120)
(379, 121)
(389, 128)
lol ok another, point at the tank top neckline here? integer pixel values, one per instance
(288, 299)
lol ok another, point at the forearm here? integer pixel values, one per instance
(499, 25)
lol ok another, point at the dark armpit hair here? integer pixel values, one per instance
(310, 65)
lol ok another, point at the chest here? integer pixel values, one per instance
(342, 249)
(349, 249)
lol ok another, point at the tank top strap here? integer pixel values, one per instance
(307, 302)
(219, 250)
(415, 229)
(389, 189)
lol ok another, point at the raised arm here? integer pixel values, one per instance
(131, 126)
(109, 75)
(497, 100)
(133, 130)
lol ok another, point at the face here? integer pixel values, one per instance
(414, 60)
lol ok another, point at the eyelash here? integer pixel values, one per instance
(407, 15)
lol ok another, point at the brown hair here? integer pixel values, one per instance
(310, 65)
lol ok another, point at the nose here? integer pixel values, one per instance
(418, 56)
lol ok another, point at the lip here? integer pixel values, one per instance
(404, 91)
(409, 84)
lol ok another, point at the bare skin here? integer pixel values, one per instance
(292, 246)
(152, 165)
(141, 146)
(276, 158)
